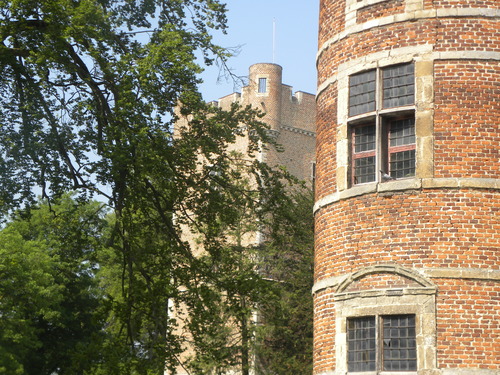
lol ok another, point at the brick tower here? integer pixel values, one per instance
(407, 277)
(290, 117)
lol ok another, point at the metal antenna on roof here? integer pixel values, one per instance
(274, 40)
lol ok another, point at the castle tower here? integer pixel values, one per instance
(265, 89)
(407, 277)
(291, 117)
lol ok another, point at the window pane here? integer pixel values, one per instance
(364, 170)
(402, 132)
(402, 164)
(400, 351)
(362, 93)
(363, 154)
(398, 86)
(361, 344)
(402, 148)
(364, 138)
(262, 85)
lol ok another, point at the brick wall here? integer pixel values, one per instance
(380, 10)
(442, 226)
(467, 323)
(427, 228)
(467, 97)
(324, 331)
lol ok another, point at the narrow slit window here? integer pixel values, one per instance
(262, 85)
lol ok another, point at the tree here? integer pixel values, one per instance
(88, 96)
(284, 337)
(51, 310)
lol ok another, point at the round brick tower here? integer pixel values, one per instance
(407, 277)
(265, 81)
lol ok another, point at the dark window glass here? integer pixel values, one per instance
(400, 347)
(402, 148)
(364, 138)
(364, 170)
(262, 85)
(361, 342)
(363, 154)
(402, 132)
(398, 86)
(362, 92)
(402, 164)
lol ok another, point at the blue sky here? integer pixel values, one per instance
(251, 28)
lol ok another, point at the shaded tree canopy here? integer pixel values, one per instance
(88, 87)
(52, 314)
(89, 93)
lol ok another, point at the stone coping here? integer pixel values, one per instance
(397, 292)
(298, 130)
(408, 184)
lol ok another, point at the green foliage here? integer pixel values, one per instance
(284, 337)
(87, 86)
(89, 94)
(51, 315)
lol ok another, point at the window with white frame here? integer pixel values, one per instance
(381, 344)
(262, 85)
(382, 124)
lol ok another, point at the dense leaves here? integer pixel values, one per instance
(284, 337)
(51, 310)
(90, 91)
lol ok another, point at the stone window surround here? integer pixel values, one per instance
(337, 285)
(380, 120)
(378, 327)
(424, 58)
(424, 98)
(419, 301)
(257, 80)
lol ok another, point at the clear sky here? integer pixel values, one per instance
(251, 28)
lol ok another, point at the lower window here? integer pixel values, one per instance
(381, 343)
(390, 151)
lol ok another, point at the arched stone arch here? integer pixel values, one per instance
(394, 269)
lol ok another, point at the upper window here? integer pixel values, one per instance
(262, 85)
(383, 135)
(362, 92)
(396, 83)
(398, 86)
(381, 343)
